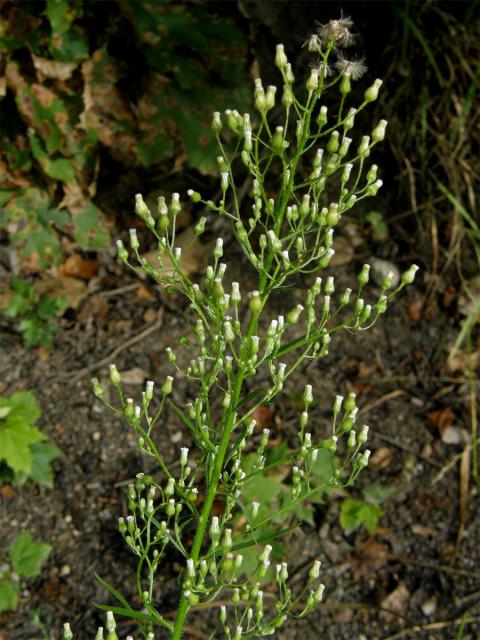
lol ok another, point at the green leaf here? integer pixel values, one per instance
(8, 594)
(89, 232)
(27, 556)
(377, 492)
(16, 433)
(42, 455)
(355, 513)
(61, 14)
(59, 169)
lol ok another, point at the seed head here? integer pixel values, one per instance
(354, 68)
(337, 32)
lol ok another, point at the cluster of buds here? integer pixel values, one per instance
(288, 230)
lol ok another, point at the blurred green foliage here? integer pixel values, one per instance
(23, 453)
(89, 82)
(26, 558)
(34, 313)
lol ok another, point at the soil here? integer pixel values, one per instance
(414, 577)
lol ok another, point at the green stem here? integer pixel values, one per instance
(184, 605)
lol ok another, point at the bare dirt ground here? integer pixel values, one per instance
(416, 576)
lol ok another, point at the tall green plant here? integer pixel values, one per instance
(235, 340)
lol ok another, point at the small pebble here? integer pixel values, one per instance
(429, 606)
(176, 437)
(380, 269)
(66, 570)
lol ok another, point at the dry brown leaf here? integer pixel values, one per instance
(461, 360)
(3, 86)
(194, 258)
(52, 69)
(24, 92)
(396, 601)
(380, 458)
(372, 557)
(420, 530)
(263, 417)
(415, 311)
(343, 252)
(105, 106)
(78, 267)
(95, 310)
(441, 418)
(71, 289)
(144, 293)
(134, 376)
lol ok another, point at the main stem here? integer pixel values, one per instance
(212, 489)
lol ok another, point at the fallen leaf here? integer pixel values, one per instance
(106, 109)
(263, 417)
(449, 296)
(380, 458)
(95, 310)
(195, 255)
(461, 360)
(70, 289)
(441, 418)
(144, 293)
(78, 267)
(420, 530)
(150, 315)
(7, 491)
(134, 376)
(396, 601)
(343, 252)
(372, 556)
(415, 311)
(53, 69)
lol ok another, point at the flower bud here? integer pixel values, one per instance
(167, 386)
(194, 195)
(280, 57)
(363, 276)
(322, 117)
(114, 375)
(372, 189)
(363, 435)
(333, 143)
(363, 147)
(314, 572)
(378, 134)
(409, 276)
(200, 226)
(294, 315)
(141, 209)
(216, 122)
(371, 94)
(333, 215)
(312, 82)
(270, 97)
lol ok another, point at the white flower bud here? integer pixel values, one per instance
(183, 456)
(378, 134)
(409, 276)
(280, 57)
(371, 93)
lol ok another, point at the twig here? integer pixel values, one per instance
(379, 401)
(441, 624)
(73, 376)
(117, 292)
(434, 567)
